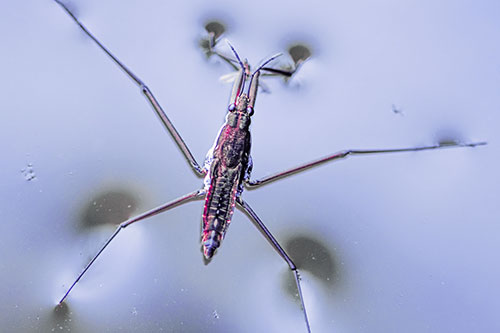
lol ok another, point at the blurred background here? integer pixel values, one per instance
(389, 243)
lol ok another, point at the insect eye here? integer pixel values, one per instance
(231, 107)
(250, 111)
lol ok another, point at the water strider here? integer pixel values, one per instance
(228, 164)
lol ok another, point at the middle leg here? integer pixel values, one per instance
(345, 153)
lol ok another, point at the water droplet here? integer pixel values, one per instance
(216, 315)
(28, 172)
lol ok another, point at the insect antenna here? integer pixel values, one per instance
(236, 55)
(260, 67)
(267, 61)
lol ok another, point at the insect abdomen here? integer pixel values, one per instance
(219, 208)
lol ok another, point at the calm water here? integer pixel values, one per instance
(386, 244)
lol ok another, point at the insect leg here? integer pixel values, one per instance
(346, 153)
(232, 62)
(278, 71)
(260, 225)
(179, 201)
(147, 92)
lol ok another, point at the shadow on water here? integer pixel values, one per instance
(111, 206)
(59, 320)
(214, 30)
(448, 136)
(311, 255)
(299, 53)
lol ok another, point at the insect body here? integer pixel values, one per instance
(228, 165)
